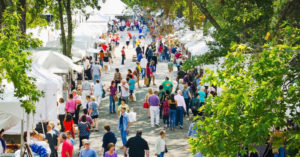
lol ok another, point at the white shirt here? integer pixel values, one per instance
(124, 92)
(98, 89)
(86, 85)
(180, 101)
(86, 64)
(143, 63)
(61, 109)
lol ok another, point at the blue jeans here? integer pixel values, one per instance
(101, 63)
(143, 72)
(111, 104)
(161, 57)
(161, 154)
(96, 77)
(281, 152)
(179, 117)
(123, 136)
(172, 114)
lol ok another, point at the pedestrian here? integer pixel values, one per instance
(187, 97)
(112, 94)
(69, 136)
(93, 110)
(106, 62)
(123, 55)
(277, 140)
(111, 151)
(137, 146)
(87, 151)
(124, 90)
(123, 104)
(101, 55)
(170, 69)
(87, 67)
(123, 125)
(148, 75)
(117, 77)
(69, 124)
(154, 103)
(166, 110)
(138, 70)
(61, 113)
(83, 130)
(96, 70)
(67, 146)
(160, 144)
(88, 100)
(71, 105)
(86, 90)
(138, 50)
(202, 95)
(52, 140)
(131, 83)
(180, 85)
(181, 108)
(172, 112)
(143, 64)
(168, 85)
(139, 56)
(195, 105)
(153, 71)
(133, 41)
(98, 91)
(2, 143)
(127, 40)
(108, 138)
(129, 74)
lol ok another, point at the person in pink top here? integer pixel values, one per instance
(71, 105)
(67, 147)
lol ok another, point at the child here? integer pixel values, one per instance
(69, 136)
(166, 112)
(111, 151)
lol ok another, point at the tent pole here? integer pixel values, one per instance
(22, 137)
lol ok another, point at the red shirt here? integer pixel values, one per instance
(68, 126)
(104, 47)
(67, 147)
(123, 52)
(148, 71)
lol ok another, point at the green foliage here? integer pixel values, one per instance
(15, 61)
(258, 90)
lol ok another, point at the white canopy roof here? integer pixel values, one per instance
(115, 8)
(97, 18)
(55, 62)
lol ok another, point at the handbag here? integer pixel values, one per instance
(146, 105)
(166, 149)
(116, 98)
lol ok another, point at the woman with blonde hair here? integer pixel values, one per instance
(146, 102)
(93, 110)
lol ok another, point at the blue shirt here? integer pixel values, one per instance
(152, 67)
(185, 94)
(88, 153)
(125, 122)
(139, 57)
(94, 107)
(132, 84)
(82, 127)
(202, 95)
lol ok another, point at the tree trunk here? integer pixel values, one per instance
(3, 5)
(22, 11)
(205, 30)
(62, 28)
(207, 14)
(191, 15)
(70, 27)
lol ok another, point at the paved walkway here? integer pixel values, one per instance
(176, 140)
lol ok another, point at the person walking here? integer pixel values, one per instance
(83, 130)
(143, 64)
(137, 146)
(67, 146)
(96, 71)
(124, 90)
(71, 105)
(160, 144)
(168, 85)
(138, 50)
(88, 117)
(137, 73)
(101, 55)
(123, 125)
(154, 103)
(69, 124)
(166, 112)
(131, 83)
(117, 77)
(187, 97)
(123, 55)
(2, 143)
(181, 108)
(172, 112)
(106, 62)
(87, 151)
(170, 69)
(153, 71)
(108, 138)
(123, 104)
(112, 94)
(52, 140)
(61, 113)
(111, 151)
(133, 41)
(98, 91)
(93, 111)
(148, 75)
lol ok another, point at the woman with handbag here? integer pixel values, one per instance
(160, 145)
(146, 102)
(83, 130)
(112, 97)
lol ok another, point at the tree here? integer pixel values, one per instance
(13, 44)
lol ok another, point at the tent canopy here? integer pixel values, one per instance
(115, 8)
(55, 62)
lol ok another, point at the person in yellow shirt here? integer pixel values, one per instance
(277, 140)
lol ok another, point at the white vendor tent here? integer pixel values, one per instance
(55, 62)
(46, 108)
(115, 8)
